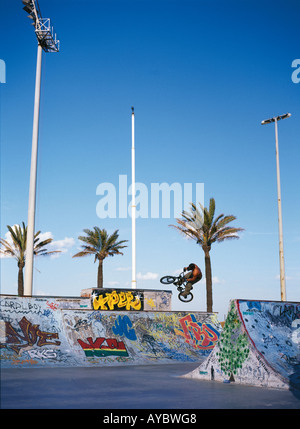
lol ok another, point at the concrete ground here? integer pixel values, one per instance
(131, 387)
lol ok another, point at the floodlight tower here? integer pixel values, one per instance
(275, 119)
(47, 42)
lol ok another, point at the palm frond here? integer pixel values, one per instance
(17, 248)
(82, 253)
(100, 244)
(7, 249)
(201, 226)
(226, 219)
(212, 207)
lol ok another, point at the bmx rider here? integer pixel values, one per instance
(194, 275)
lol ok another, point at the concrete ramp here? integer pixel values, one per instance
(259, 346)
(43, 332)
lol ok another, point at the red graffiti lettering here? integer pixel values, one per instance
(103, 347)
(199, 335)
(52, 305)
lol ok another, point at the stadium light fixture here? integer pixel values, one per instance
(47, 42)
(44, 31)
(281, 254)
(276, 118)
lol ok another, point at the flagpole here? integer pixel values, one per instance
(133, 206)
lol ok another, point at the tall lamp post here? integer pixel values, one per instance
(133, 206)
(47, 42)
(281, 255)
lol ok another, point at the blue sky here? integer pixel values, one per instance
(201, 76)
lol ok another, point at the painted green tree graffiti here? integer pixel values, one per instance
(233, 345)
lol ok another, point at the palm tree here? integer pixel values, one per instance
(101, 245)
(16, 248)
(202, 227)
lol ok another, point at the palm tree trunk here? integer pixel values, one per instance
(208, 276)
(100, 274)
(20, 279)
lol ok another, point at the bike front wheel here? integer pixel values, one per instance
(167, 280)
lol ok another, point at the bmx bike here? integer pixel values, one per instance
(180, 282)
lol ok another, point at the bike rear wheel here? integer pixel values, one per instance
(187, 298)
(167, 280)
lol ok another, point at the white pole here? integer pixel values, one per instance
(32, 186)
(281, 256)
(133, 207)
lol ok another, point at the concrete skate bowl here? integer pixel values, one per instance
(45, 332)
(259, 346)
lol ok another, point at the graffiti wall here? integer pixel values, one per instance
(31, 332)
(274, 330)
(129, 300)
(259, 345)
(44, 332)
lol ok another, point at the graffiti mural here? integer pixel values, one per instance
(233, 344)
(45, 332)
(121, 327)
(199, 335)
(110, 299)
(103, 347)
(151, 300)
(258, 346)
(271, 329)
(31, 335)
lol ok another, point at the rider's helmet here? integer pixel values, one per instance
(191, 267)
